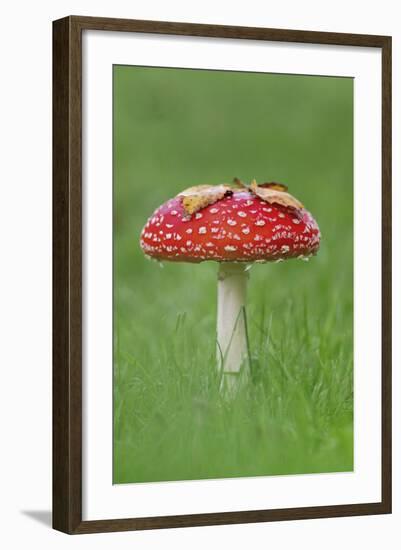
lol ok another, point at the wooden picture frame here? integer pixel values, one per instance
(67, 273)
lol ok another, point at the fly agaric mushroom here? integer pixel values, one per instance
(234, 225)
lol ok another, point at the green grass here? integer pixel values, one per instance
(177, 128)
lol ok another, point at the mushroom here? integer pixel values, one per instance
(235, 225)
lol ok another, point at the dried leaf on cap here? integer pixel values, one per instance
(200, 196)
(239, 184)
(274, 185)
(275, 193)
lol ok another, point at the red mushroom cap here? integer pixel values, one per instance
(239, 227)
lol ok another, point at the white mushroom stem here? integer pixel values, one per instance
(231, 324)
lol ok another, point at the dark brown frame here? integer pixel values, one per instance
(67, 274)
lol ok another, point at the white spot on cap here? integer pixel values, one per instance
(231, 222)
(285, 248)
(178, 237)
(214, 210)
(257, 238)
(214, 229)
(188, 243)
(246, 230)
(249, 202)
(202, 230)
(173, 213)
(281, 215)
(198, 216)
(230, 248)
(260, 223)
(209, 245)
(189, 230)
(296, 221)
(168, 235)
(242, 214)
(169, 225)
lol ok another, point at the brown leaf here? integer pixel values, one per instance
(275, 193)
(239, 184)
(274, 185)
(200, 196)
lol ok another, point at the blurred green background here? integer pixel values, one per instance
(174, 128)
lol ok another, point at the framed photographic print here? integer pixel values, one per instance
(222, 274)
